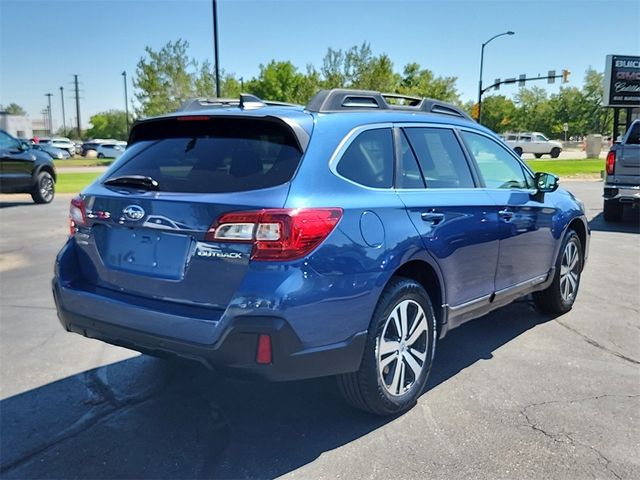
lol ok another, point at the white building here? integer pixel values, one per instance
(16, 125)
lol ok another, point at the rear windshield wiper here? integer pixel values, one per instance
(134, 181)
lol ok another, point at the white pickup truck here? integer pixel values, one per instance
(532, 142)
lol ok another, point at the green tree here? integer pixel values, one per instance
(281, 81)
(14, 109)
(109, 124)
(498, 113)
(167, 77)
(423, 83)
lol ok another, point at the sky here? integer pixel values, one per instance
(44, 43)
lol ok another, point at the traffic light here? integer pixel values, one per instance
(475, 111)
(565, 76)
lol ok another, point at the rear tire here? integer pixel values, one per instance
(538, 155)
(100, 155)
(555, 152)
(398, 354)
(560, 296)
(518, 151)
(612, 210)
(44, 189)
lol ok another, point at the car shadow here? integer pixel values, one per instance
(17, 204)
(149, 418)
(629, 223)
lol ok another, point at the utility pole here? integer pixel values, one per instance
(126, 100)
(49, 95)
(75, 80)
(215, 47)
(64, 121)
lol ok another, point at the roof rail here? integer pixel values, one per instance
(343, 99)
(245, 102)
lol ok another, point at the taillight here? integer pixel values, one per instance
(77, 214)
(277, 234)
(611, 162)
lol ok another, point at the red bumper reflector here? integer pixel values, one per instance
(263, 356)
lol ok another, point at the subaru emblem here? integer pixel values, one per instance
(133, 212)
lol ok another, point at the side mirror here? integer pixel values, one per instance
(546, 182)
(24, 146)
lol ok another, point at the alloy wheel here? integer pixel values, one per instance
(569, 272)
(402, 347)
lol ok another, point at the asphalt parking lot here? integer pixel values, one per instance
(512, 395)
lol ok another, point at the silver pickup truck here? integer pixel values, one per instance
(622, 182)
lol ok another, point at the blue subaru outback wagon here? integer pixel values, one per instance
(342, 238)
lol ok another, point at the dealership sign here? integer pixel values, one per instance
(622, 81)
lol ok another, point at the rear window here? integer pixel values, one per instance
(212, 156)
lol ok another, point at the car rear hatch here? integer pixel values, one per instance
(147, 226)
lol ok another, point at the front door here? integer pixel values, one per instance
(16, 164)
(526, 220)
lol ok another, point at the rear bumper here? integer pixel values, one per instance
(622, 193)
(234, 351)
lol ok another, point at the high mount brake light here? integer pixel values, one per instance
(611, 162)
(77, 214)
(277, 234)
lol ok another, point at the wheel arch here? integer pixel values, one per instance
(578, 226)
(431, 280)
(46, 168)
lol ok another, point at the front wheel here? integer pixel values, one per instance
(398, 354)
(44, 188)
(560, 296)
(555, 152)
(518, 151)
(100, 155)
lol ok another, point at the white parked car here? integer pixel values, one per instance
(532, 142)
(110, 150)
(64, 144)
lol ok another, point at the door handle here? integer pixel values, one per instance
(433, 217)
(506, 214)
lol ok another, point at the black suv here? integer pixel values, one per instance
(25, 170)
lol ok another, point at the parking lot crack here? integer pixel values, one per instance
(598, 345)
(569, 437)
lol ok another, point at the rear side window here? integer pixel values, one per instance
(440, 157)
(369, 159)
(409, 175)
(212, 156)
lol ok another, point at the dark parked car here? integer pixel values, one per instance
(87, 146)
(622, 183)
(342, 238)
(25, 170)
(53, 152)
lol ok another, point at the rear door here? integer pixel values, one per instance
(454, 218)
(157, 242)
(526, 239)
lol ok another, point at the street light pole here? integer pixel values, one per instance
(126, 100)
(49, 95)
(64, 121)
(215, 47)
(481, 64)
